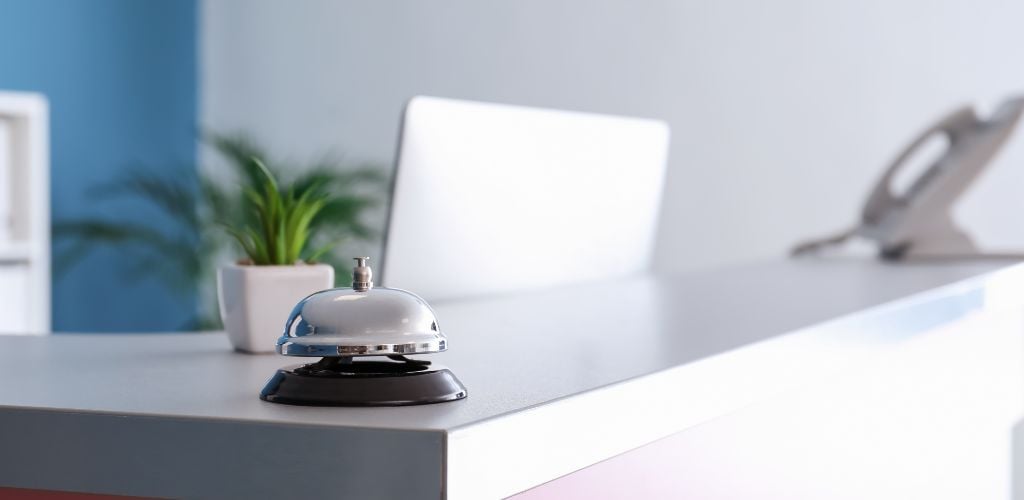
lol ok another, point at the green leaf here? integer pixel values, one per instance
(175, 196)
(280, 254)
(244, 240)
(322, 250)
(239, 150)
(261, 251)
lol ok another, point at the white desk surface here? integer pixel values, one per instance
(552, 369)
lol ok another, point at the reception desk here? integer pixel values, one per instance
(753, 381)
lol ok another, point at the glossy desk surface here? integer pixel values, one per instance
(545, 372)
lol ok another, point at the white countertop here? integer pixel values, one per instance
(527, 361)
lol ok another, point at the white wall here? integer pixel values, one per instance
(783, 112)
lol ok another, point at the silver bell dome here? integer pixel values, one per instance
(361, 321)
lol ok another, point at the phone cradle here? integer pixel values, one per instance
(918, 222)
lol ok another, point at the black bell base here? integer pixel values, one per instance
(343, 382)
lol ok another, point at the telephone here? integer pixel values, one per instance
(918, 222)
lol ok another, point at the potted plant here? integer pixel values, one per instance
(184, 248)
(257, 293)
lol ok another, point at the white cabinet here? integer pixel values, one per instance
(24, 214)
(14, 307)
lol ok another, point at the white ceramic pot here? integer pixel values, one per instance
(255, 301)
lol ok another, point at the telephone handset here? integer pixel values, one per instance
(918, 222)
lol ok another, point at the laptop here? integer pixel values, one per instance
(492, 198)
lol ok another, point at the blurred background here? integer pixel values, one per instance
(783, 115)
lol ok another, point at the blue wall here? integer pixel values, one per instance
(121, 79)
